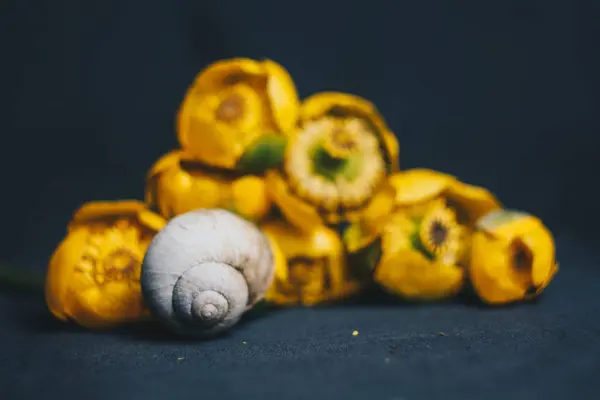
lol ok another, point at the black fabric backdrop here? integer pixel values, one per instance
(502, 94)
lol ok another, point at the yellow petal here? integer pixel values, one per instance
(107, 306)
(377, 212)
(98, 210)
(396, 233)
(299, 213)
(371, 220)
(183, 184)
(490, 271)
(60, 272)
(419, 185)
(283, 96)
(250, 198)
(273, 229)
(166, 162)
(212, 142)
(152, 221)
(227, 72)
(108, 211)
(409, 274)
(324, 103)
(476, 201)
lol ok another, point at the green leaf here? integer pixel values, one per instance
(265, 153)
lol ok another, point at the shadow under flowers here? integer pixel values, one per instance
(34, 316)
(376, 297)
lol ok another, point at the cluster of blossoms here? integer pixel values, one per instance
(321, 178)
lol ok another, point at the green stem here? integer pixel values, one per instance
(15, 279)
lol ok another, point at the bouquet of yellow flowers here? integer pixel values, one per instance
(320, 181)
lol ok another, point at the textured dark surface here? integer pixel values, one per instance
(503, 94)
(545, 350)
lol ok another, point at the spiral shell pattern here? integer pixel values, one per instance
(204, 269)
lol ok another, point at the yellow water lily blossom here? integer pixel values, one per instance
(512, 257)
(93, 275)
(230, 104)
(336, 164)
(425, 245)
(421, 255)
(177, 183)
(310, 267)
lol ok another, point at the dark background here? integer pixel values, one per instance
(502, 94)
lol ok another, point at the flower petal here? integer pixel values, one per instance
(166, 162)
(490, 271)
(227, 72)
(249, 197)
(283, 96)
(419, 185)
(98, 210)
(371, 220)
(409, 274)
(60, 271)
(299, 213)
(212, 142)
(108, 306)
(475, 200)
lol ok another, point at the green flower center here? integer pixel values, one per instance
(332, 167)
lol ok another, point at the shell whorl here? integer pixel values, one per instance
(204, 269)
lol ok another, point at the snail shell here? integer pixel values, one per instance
(204, 269)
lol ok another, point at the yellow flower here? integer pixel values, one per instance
(336, 164)
(425, 245)
(512, 257)
(310, 267)
(177, 183)
(93, 275)
(420, 255)
(231, 104)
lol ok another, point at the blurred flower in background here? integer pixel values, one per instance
(425, 245)
(512, 257)
(231, 104)
(93, 277)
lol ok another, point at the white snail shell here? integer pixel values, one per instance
(204, 269)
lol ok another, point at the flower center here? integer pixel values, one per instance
(230, 109)
(308, 275)
(521, 256)
(340, 143)
(438, 233)
(120, 264)
(339, 154)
